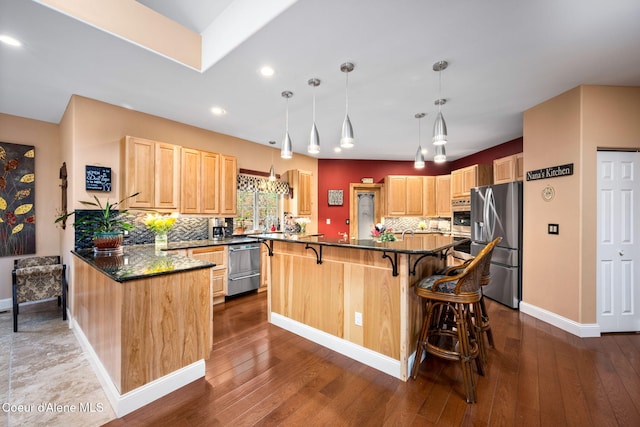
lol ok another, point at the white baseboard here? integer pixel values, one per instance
(582, 330)
(363, 355)
(123, 404)
(6, 304)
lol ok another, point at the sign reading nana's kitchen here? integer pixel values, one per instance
(551, 172)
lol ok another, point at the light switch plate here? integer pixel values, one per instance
(553, 229)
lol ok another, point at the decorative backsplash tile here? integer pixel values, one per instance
(185, 228)
(411, 223)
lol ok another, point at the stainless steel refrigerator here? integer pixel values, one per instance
(496, 211)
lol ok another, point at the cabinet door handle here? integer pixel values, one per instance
(621, 253)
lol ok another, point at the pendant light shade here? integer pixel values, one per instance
(346, 137)
(441, 155)
(272, 171)
(418, 162)
(314, 137)
(440, 126)
(287, 146)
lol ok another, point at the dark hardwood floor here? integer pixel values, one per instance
(537, 375)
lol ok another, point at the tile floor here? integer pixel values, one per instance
(47, 373)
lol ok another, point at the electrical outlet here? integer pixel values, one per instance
(358, 318)
(346, 221)
(328, 220)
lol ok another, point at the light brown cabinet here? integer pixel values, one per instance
(429, 200)
(463, 180)
(300, 182)
(443, 195)
(228, 185)
(152, 169)
(200, 192)
(219, 256)
(508, 169)
(404, 195)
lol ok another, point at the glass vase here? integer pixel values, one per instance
(161, 241)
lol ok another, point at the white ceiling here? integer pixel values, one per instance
(504, 57)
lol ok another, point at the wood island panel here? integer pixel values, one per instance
(326, 296)
(144, 329)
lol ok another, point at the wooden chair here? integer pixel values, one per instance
(485, 325)
(458, 297)
(38, 278)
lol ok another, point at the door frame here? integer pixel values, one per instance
(354, 189)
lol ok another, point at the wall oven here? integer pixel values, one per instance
(461, 226)
(244, 268)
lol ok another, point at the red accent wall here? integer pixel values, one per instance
(338, 174)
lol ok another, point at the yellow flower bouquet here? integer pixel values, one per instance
(159, 223)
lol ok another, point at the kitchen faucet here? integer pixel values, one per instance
(405, 231)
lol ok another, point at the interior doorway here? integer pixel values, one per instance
(618, 251)
(365, 209)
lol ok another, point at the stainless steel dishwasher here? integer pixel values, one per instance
(244, 268)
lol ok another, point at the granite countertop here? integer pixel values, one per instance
(423, 243)
(140, 261)
(187, 244)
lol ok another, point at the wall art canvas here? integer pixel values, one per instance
(17, 199)
(335, 197)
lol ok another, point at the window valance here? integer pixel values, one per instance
(255, 184)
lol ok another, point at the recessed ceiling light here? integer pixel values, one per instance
(218, 111)
(10, 40)
(267, 71)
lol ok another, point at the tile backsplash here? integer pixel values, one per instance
(185, 228)
(411, 223)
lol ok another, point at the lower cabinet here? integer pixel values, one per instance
(218, 255)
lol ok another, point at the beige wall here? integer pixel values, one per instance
(44, 136)
(559, 272)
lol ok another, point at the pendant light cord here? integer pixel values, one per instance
(346, 93)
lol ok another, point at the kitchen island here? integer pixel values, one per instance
(144, 319)
(353, 296)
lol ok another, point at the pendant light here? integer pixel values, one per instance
(346, 138)
(439, 126)
(287, 146)
(441, 155)
(314, 138)
(418, 163)
(272, 171)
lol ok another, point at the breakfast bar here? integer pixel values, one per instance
(353, 296)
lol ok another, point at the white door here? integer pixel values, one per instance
(618, 252)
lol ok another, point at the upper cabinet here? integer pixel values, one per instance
(228, 184)
(300, 183)
(404, 195)
(463, 180)
(508, 169)
(151, 169)
(200, 186)
(429, 197)
(443, 196)
(172, 178)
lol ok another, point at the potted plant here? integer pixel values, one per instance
(105, 226)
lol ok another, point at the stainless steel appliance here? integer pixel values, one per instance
(217, 229)
(244, 268)
(461, 226)
(496, 211)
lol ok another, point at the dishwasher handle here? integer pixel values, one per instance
(244, 277)
(243, 248)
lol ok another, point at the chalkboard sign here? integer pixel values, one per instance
(98, 178)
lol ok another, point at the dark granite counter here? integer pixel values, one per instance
(427, 243)
(140, 261)
(188, 244)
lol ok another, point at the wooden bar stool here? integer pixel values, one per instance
(459, 336)
(485, 325)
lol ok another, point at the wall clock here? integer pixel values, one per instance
(548, 193)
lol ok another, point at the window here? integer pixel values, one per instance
(257, 210)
